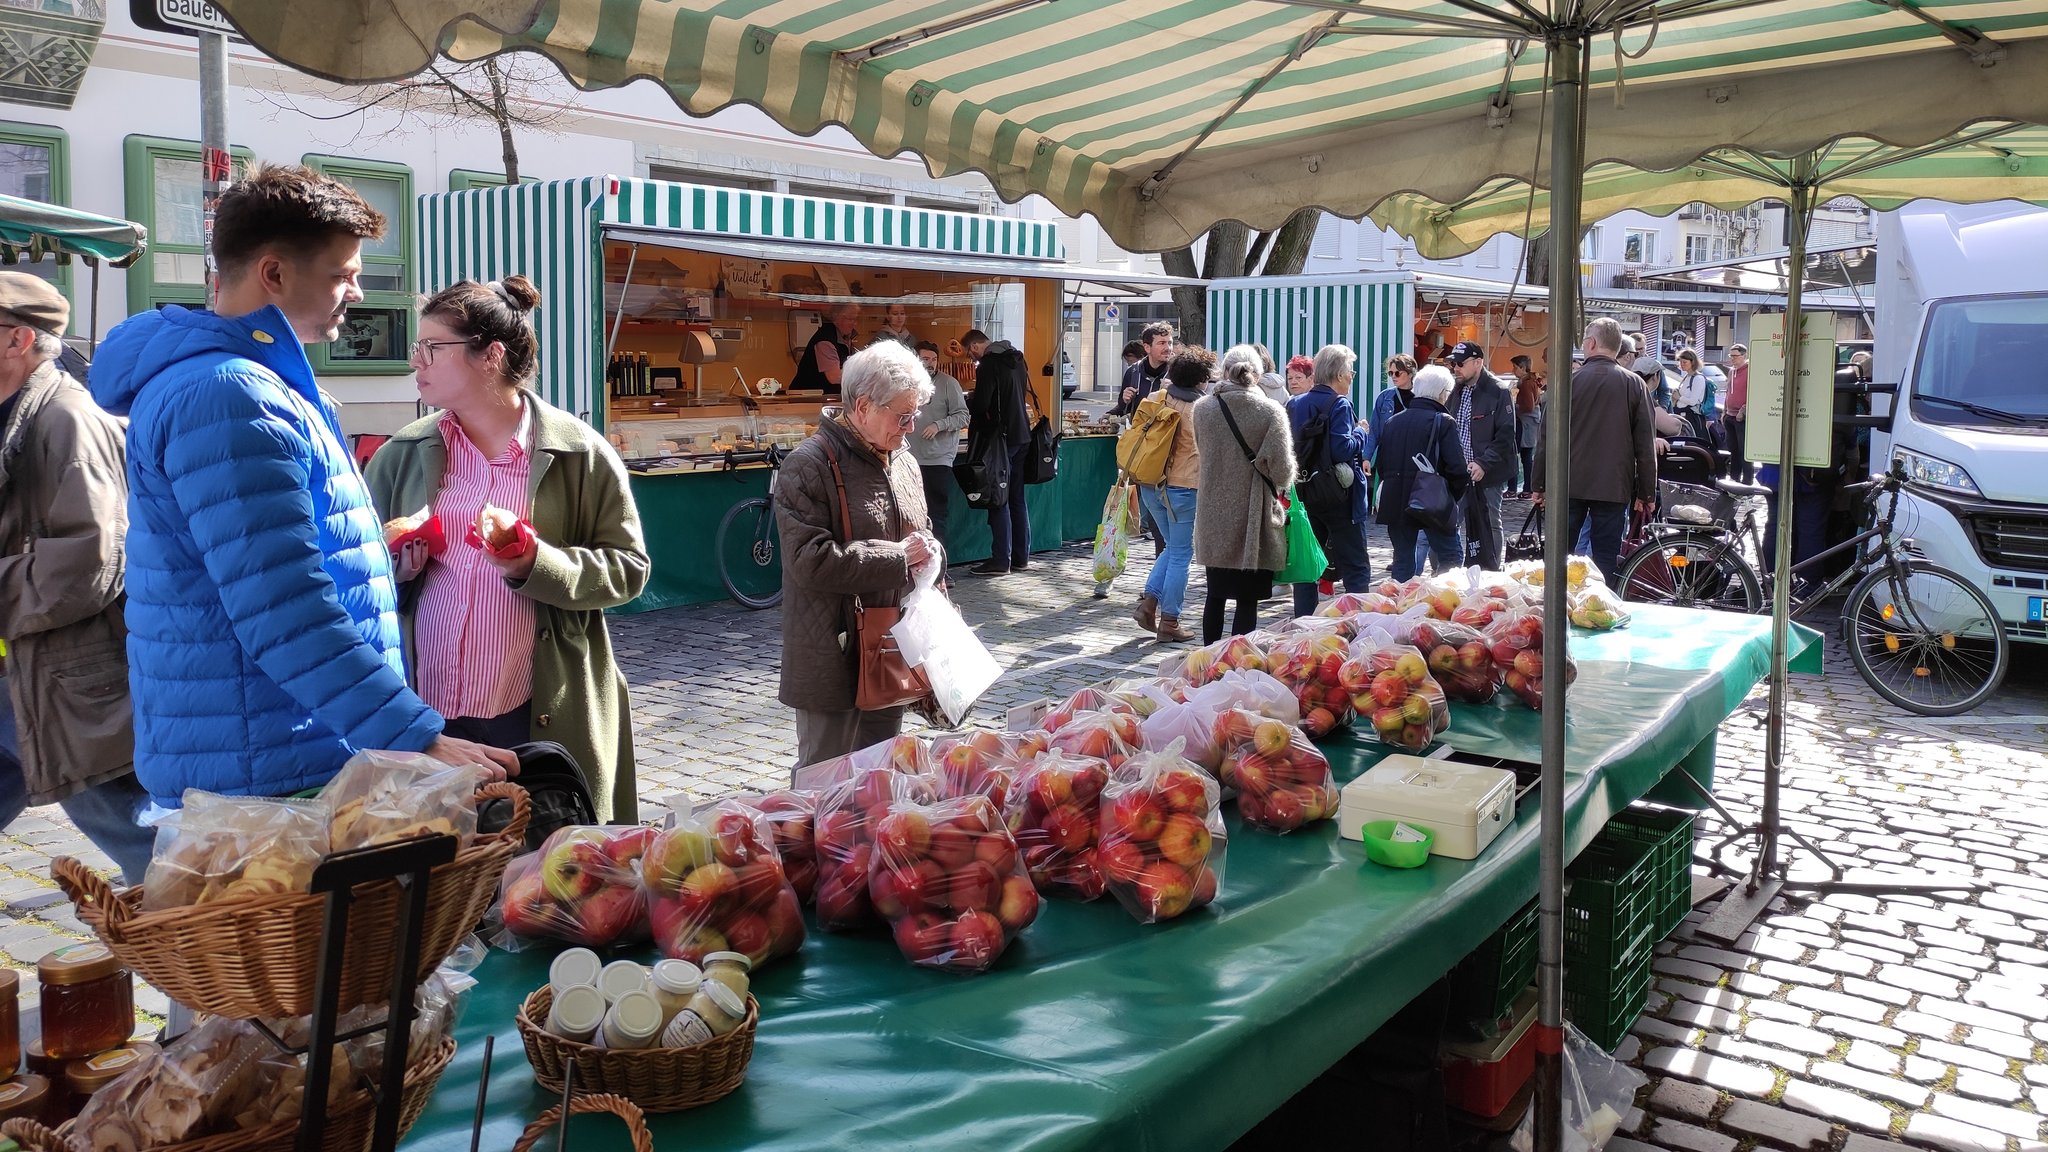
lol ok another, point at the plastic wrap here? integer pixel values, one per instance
(1052, 816)
(379, 797)
(1459, 659)
(1355, 603)
(847, 814)
(715, 884)
(1089, 699)
(983, 763)
(949, 880)
(1402, 702)
(1162, 837)
(1596, 1096)
(1194, 725)
(1516, 641)
(1309, 664)
(792, 817)
(1107, 736)
(909, 754)
(1258, 691)
(582, 886)
(1202, 665)
(223, 847)
(190, 1089)
(1283, 782)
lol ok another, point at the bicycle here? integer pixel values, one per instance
(1921, 635)
(749, 548)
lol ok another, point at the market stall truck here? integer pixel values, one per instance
(1962, 307)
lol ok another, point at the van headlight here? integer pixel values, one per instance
(1934, 472)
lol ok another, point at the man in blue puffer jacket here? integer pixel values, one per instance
(263, 641)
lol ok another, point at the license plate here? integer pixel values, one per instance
(2034, 607)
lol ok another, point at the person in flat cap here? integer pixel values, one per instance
(66, 736)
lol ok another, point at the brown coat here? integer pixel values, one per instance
(1614, 442)
(592, 557)
(63, 524)
(822, 571)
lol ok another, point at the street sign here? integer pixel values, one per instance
(181, 17)
(1109, 313)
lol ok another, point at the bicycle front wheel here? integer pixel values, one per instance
(1690, 569)
(1926, 639)
(750, 553)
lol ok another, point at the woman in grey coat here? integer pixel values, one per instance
(1247, 462)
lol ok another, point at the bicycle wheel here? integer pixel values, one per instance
(1926, 639)
(1690, 569)
(750, 553)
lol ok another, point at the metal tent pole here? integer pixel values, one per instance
(1566, 51)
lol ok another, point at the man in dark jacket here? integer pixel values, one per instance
(1613, 447)
(1484, 409)
(829, 348)
(1146, 376)
(63, 515)
(996, 413)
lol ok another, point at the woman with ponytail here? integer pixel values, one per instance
(504, 625)
(1247, 461)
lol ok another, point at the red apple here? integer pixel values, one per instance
(748, 935)
(1164, 890)
(1185, 840)
(922, 938)
(1284, 812)
(527, 907)
(1123, 862)
(1179, 790)
(1019, 905)
(1205, 888)
(1529, 662)
(1389, 688)
(1137, 814)
(977, 941)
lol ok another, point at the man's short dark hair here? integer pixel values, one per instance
(293, 208)
(1523, 363)
(1155, 328)
(1134, 350)
(974, 336)
(927, 346)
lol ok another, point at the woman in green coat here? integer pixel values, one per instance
(508, 642)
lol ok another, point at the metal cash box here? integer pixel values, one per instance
(1465, 805)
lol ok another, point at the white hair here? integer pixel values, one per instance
(45, 347)
(1333, 362)
(1433, 382)
(1242, 364)
(882, 372)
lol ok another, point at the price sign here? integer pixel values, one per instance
(1815, 405)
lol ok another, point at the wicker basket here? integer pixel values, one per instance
(349, 1127)
(657, 1079)
(258, 955)
(624, 1109)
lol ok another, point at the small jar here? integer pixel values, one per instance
(88, 1001)
(39, 1061)
(731, 969)
(25, 1098)
(718, 1006)
(84, 1077)
(620, 977)
(572, 967)
(673, 982)
(576, 1013)
(687, 1030)
(634, 1021)
(10, 1022)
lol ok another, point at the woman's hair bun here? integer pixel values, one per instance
(525, 297)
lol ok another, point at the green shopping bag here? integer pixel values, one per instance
(1305, 559)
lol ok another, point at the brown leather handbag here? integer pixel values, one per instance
(883, 679)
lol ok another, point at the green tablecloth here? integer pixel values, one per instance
(1097, 1032)
(680, 515)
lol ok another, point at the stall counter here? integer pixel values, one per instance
(1094, 1031)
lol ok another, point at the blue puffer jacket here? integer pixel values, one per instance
(263, 643)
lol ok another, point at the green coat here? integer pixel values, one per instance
(592, 557)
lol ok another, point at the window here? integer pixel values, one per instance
(1329, 239)
(931, 204)
(164, 193)
(1698, 249)
(463, 179)
(1489, 253)
(1638, 246)
(1372, 241)
(707, 177)
(34, 166)
(852, 192)
(376, 339)
(1589, 248)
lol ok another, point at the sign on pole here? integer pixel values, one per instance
(1815, 410)
(182, 17)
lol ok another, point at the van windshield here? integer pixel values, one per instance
(1984, 362)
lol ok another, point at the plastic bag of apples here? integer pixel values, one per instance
(582, 886)
(1354, 603)
(1204, 664)
(1106, 736)
(1309, 664)
(791, 818)
(1257, 691)
(1282, 780)
(1162, 839)
(984, 763)
(715, 883)
(1515, 639)
(1458, 656)
(1052, 815)
(1090, 699)
(950, 882)
(1395, 692)
(847, 814)
(1195, 726)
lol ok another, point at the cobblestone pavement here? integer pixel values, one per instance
(1846, 1023)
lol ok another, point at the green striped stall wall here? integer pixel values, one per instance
(550, 231)
(1372, 314)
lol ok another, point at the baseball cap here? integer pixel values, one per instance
(1465, 350)
(35, 301)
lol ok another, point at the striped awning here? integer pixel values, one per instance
(1162, 117)
(31, 230)
(1998, 160)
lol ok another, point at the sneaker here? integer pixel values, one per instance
(989, 568)
(1102, 591)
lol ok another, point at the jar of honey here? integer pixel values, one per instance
(25, 1098)
(39, 1061)
(88, 1001)
(84, 1077)
(10, 1022)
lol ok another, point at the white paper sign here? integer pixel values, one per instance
(1815, 413)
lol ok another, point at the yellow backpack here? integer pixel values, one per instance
(1144, 448)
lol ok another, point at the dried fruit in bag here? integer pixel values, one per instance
(715, 884)
(792, 818)
(192, 1088)
(1107, 736)
(847, 814)
(1309, 665)
(1402, 703)
(1282, 780)
(223, 847)
(582, 886)
(949, 880)
(1051, 815)
(379, 797)
(1162, 836)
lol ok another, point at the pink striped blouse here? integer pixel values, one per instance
(472, 634)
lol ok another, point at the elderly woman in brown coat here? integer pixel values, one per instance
(865, 541)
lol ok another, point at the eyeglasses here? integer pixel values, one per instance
(904, 420)
(423, 350)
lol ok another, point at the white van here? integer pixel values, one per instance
(1962, 311)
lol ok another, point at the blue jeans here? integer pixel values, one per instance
(105, 812)
(1343, 542)
(1173, 510)
(1409, 539)
(1009, 523)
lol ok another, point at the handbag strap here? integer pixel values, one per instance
(1250, 456)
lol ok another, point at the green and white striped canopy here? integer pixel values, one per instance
(1162, 117)
(31, 230)
(1995, 161)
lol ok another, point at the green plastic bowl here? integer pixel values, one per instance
(1382, 848)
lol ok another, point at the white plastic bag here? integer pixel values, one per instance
(1597, 1093)
(932, 636)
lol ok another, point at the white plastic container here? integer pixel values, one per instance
(571, 967)
(620, 977)
(1465, 805)
(576, 1013)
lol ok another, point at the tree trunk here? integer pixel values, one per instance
(1290, 247)
(1191, 303)
(1536, 261)
(501, 112)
